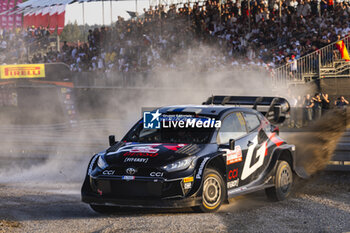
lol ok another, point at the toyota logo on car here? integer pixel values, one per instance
(131, 171)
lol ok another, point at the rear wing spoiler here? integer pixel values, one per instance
(275, 109)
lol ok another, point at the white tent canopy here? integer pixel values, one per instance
(46, 3)
(39, 5)
(50, 7)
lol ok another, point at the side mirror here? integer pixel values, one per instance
(232, 144)
(111, 139)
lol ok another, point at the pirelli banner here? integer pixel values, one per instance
(57, 74)
(22, 71)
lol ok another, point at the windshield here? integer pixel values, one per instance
(168, 133)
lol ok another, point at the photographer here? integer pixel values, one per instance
(341, 102)
(325, 103)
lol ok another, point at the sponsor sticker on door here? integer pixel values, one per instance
(234, 156)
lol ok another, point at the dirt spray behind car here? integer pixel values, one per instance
(316, 144)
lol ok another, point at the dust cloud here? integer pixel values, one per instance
(316, 144)
(70, 149)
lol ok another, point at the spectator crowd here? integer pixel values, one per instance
(310, 108)
(261, 35)
(16, 43)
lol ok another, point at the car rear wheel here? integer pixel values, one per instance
(213, 191)
(102, 209)
(283, 182)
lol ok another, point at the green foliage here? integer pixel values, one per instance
(72, 32)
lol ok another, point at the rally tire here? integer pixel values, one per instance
(283, 182)
(104, 209)
(213, 191)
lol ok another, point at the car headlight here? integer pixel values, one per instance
(101, 163)
(179, 165)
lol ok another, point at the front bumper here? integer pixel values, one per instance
(137, 193)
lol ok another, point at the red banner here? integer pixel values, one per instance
(10, 18)
(31, 20)
(27, 20)
(4, 6)
(53, 23)
(60, 22)
(0, 12)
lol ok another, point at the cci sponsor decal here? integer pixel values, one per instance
(108, 172)
(200, 170)
(232, 174)
(22, 71)
(156, 174)
(233, 156)
(233, 183)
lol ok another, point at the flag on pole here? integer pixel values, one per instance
(61, 11)
(53, 18)
(343, 51)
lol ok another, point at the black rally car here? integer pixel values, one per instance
(164, 163)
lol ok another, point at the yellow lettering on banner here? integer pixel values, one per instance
(22, 71)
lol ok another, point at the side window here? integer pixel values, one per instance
(232, 127)
(252, 121)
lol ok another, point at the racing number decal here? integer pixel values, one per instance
(247, 169)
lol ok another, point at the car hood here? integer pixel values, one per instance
(155, 154)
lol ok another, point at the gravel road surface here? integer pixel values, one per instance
(40, 192)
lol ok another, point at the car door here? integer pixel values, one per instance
(233, 127)
(254, 160)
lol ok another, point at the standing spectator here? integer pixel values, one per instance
(317, 106)
(323, 6)
(293, 67)
(91, 39)
(65, 47)
(341, 102)
(308, 104)
(325, 103)
(293, 4)
(330, 6)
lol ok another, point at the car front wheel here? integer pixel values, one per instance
(213, 191)
(283, 182)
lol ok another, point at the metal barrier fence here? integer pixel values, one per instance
(311, 65)
(172, 79)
